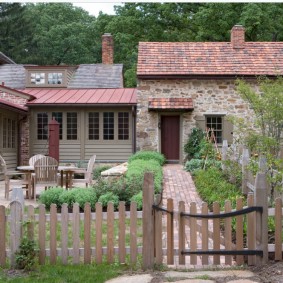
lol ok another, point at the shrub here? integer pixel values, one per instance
(148, 155)
(82, 196)
(59, 196)
(97, 171)
(195, 164)
(136, 170)
(212, 186)
(68, 197)
(192, 147)
(50, 196)
(117, 187)
(26, 255)
(138, 199)
(109, 197)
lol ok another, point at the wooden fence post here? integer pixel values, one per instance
(170, 232)
(158, 232)
(261, 219)
(245, 162)
(148, 220)
(16, 232)
(224, 153)
(3, 229)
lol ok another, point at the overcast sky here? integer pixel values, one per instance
(95, 7)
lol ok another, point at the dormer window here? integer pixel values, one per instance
(37, 78)
(55, 78)
(48, 76)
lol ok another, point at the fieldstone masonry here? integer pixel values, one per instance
(209, 97)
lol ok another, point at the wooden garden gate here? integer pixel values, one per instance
(205, 237)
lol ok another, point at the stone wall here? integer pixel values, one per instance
(209, 96)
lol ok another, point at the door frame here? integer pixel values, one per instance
(180, 131)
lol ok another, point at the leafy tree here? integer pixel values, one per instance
(265, 138)
(61, 34)
(261, 21)
(267, 106)
(15, 30)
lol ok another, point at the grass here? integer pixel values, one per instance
(67, 273)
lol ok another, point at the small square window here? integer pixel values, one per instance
(215, 126)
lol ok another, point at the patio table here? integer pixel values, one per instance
(67, 170)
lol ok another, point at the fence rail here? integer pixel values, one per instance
(73, 237)
(76, 236)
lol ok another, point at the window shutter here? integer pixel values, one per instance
(200, 122)
(227, 131)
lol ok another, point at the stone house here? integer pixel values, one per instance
(182, 85)
(95, 112)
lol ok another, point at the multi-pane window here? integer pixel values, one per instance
(108, 125)
(58, 116)
(46, 78)
(72, 126)
(37, 78)
(42, 126)
(93, 126)
(123, 125)
(9, 133)
(55, 78)
(215, 125)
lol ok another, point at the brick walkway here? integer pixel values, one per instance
(178, 185)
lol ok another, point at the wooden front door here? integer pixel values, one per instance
(170, 137)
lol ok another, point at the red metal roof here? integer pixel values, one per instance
(209, 58)
(45, 96)
(170, 104)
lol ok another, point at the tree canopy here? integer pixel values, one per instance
(60, 33)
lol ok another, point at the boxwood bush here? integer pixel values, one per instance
(50, 196)
(138, 199)
(148, 155)
(136, 170)
(126, 188)
(59, 196)
(109, 197)
(117, 187)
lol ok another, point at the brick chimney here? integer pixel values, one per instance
(107, 49)
(238, 37)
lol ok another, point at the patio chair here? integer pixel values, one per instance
(34, 158)
(45, 173)
(9, 180)
(87, 172)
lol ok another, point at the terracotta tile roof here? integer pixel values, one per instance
(209, 58)
(113, 96)
(170, 104)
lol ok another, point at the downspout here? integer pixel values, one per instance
(134, 112)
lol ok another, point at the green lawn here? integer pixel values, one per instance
(66, 274)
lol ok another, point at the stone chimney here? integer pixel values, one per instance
(238, 37)
(107, 49)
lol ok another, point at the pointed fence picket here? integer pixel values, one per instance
(74, 237)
